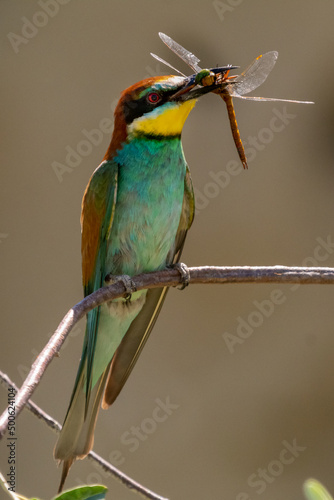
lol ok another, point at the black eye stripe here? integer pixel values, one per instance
(135, 107)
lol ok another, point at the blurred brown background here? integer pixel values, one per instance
(235, 411)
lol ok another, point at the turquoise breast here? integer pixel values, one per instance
(148, 207)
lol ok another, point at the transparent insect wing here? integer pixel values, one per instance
(251, 98)
(190, 59)
(254, 75)
(167, 64)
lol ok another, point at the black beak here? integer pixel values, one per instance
(193, 86)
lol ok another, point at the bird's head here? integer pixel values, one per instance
(155, 107)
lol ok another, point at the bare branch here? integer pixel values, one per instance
(32, 407)
(56, 427)
(166, 277)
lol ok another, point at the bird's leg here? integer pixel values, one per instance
(184, 272)
(127, 281)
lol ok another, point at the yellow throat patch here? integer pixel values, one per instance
(166, 120)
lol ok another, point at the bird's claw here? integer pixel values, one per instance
(127, 281)
(185, 274)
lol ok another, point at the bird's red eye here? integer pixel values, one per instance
(153, 97)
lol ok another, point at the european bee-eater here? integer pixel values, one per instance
(136, 211)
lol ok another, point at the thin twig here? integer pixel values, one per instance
(106, 466)
(167, 277)
(35, 410)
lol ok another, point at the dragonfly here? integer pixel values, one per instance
(229, 87)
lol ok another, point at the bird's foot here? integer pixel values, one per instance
(184, 272)
(127, 281)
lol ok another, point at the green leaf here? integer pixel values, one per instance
(97, 492)
(313, 490)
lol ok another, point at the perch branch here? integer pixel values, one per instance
(166, 277)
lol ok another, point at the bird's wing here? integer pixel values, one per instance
(186, 219)
(134, 340)
(98, 207)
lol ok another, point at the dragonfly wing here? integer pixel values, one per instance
(254, 75)
(251, 98)
(183, 53)
(166, 63)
